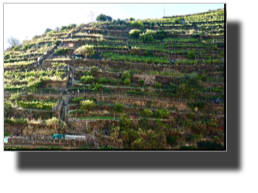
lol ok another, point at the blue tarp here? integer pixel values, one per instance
(58, 136)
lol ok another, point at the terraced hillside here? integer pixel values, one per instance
(125, 84)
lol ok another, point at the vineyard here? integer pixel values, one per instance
(120, 84)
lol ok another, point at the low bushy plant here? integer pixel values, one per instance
(87, 79)
(146, 113)
(127, 81)
(119, 107)
(88, 104)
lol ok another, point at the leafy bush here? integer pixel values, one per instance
(19, 121)
(26, 46)
(134, 33)
(126, 75)
(158, 85)
(61, 51)
(15, 96)
(119, 107)
(147, 36)
(161, 113)
(55, 42)
(46, 105)
(138, 23)
(96, 87)
(127, 81)
(191, 55)
(77, 111)
(6, 56)
(103, 17)
(16, 48)
(88, 104)
(87, 79)
(77, 100)
(86, 50)
(102, 80)
(141, 82)
(146, 113)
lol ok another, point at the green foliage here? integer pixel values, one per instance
(102, 80)
(88, 104)
(87, 79)
(46, 105)
(76, 111)
(127, 81)
(119, 107)
(161, 113)
(137, 23)
(55, 42)
(6, 134)
(134, 33)
(16, 48)
(146, 113)
(26, 46)
(216, 138)
(96, 87)
(158, 85)
(147, 36)
(141, 82)
(61, 51)
(77, 100)
(171, 139)
(15, 96)
(126, 75)
(19, 121)
(103, 17)
(191, 55)
(86, 50)
(6, 56)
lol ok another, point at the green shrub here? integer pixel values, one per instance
(16, 48)
(158, 85)
(119, 107)
(15, 96)
(61, 51)
(161, 113)
(141, 82)
(146, 113)
(191, 55)
(88, 104)
(216, 138)
(126, 75)
(77, 100)
(19, 121)
(102, 80)
(55, 42)
(138, 23)
(134, 33)
(6, 56)
(86, 50)
(96, 87)
(27, 46)
(87, 79)
(112, 81)
(78, 111)
(127, 81)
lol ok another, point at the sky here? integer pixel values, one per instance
(24, 21)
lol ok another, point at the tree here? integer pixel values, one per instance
(57, 29)
(134, 33)
(101, 17)
(131, 19)
(47, 30)
(109, 18)
(13, 41)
